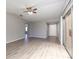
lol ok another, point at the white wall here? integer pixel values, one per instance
(52, 30)
(61, 30)
(38, 29)
(58, 31)
(15, 28)
(64, 30)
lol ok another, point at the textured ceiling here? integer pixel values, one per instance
(48, 10)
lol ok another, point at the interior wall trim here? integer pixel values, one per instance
(15, 41)
(68, 7)
(67, 50)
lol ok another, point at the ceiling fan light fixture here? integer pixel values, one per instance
(30, 13)
(30, 9)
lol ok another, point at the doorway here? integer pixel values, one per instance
(26, 32)
(52, 31)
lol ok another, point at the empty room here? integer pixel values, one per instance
(39, 29)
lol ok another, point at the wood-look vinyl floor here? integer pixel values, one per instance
(36, 49)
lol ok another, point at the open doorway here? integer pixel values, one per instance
(52, 31)
(26, 32)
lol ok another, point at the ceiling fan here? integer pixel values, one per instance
(30, 10)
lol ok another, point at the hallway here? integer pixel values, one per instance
(36, 49)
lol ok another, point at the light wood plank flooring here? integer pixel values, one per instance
(36, 49)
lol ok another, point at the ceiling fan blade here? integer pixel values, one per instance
(34, 12)
(29, 8)
(35, 9)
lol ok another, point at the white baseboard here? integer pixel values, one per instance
(15, 40)
(44, 37)
(39, 37)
